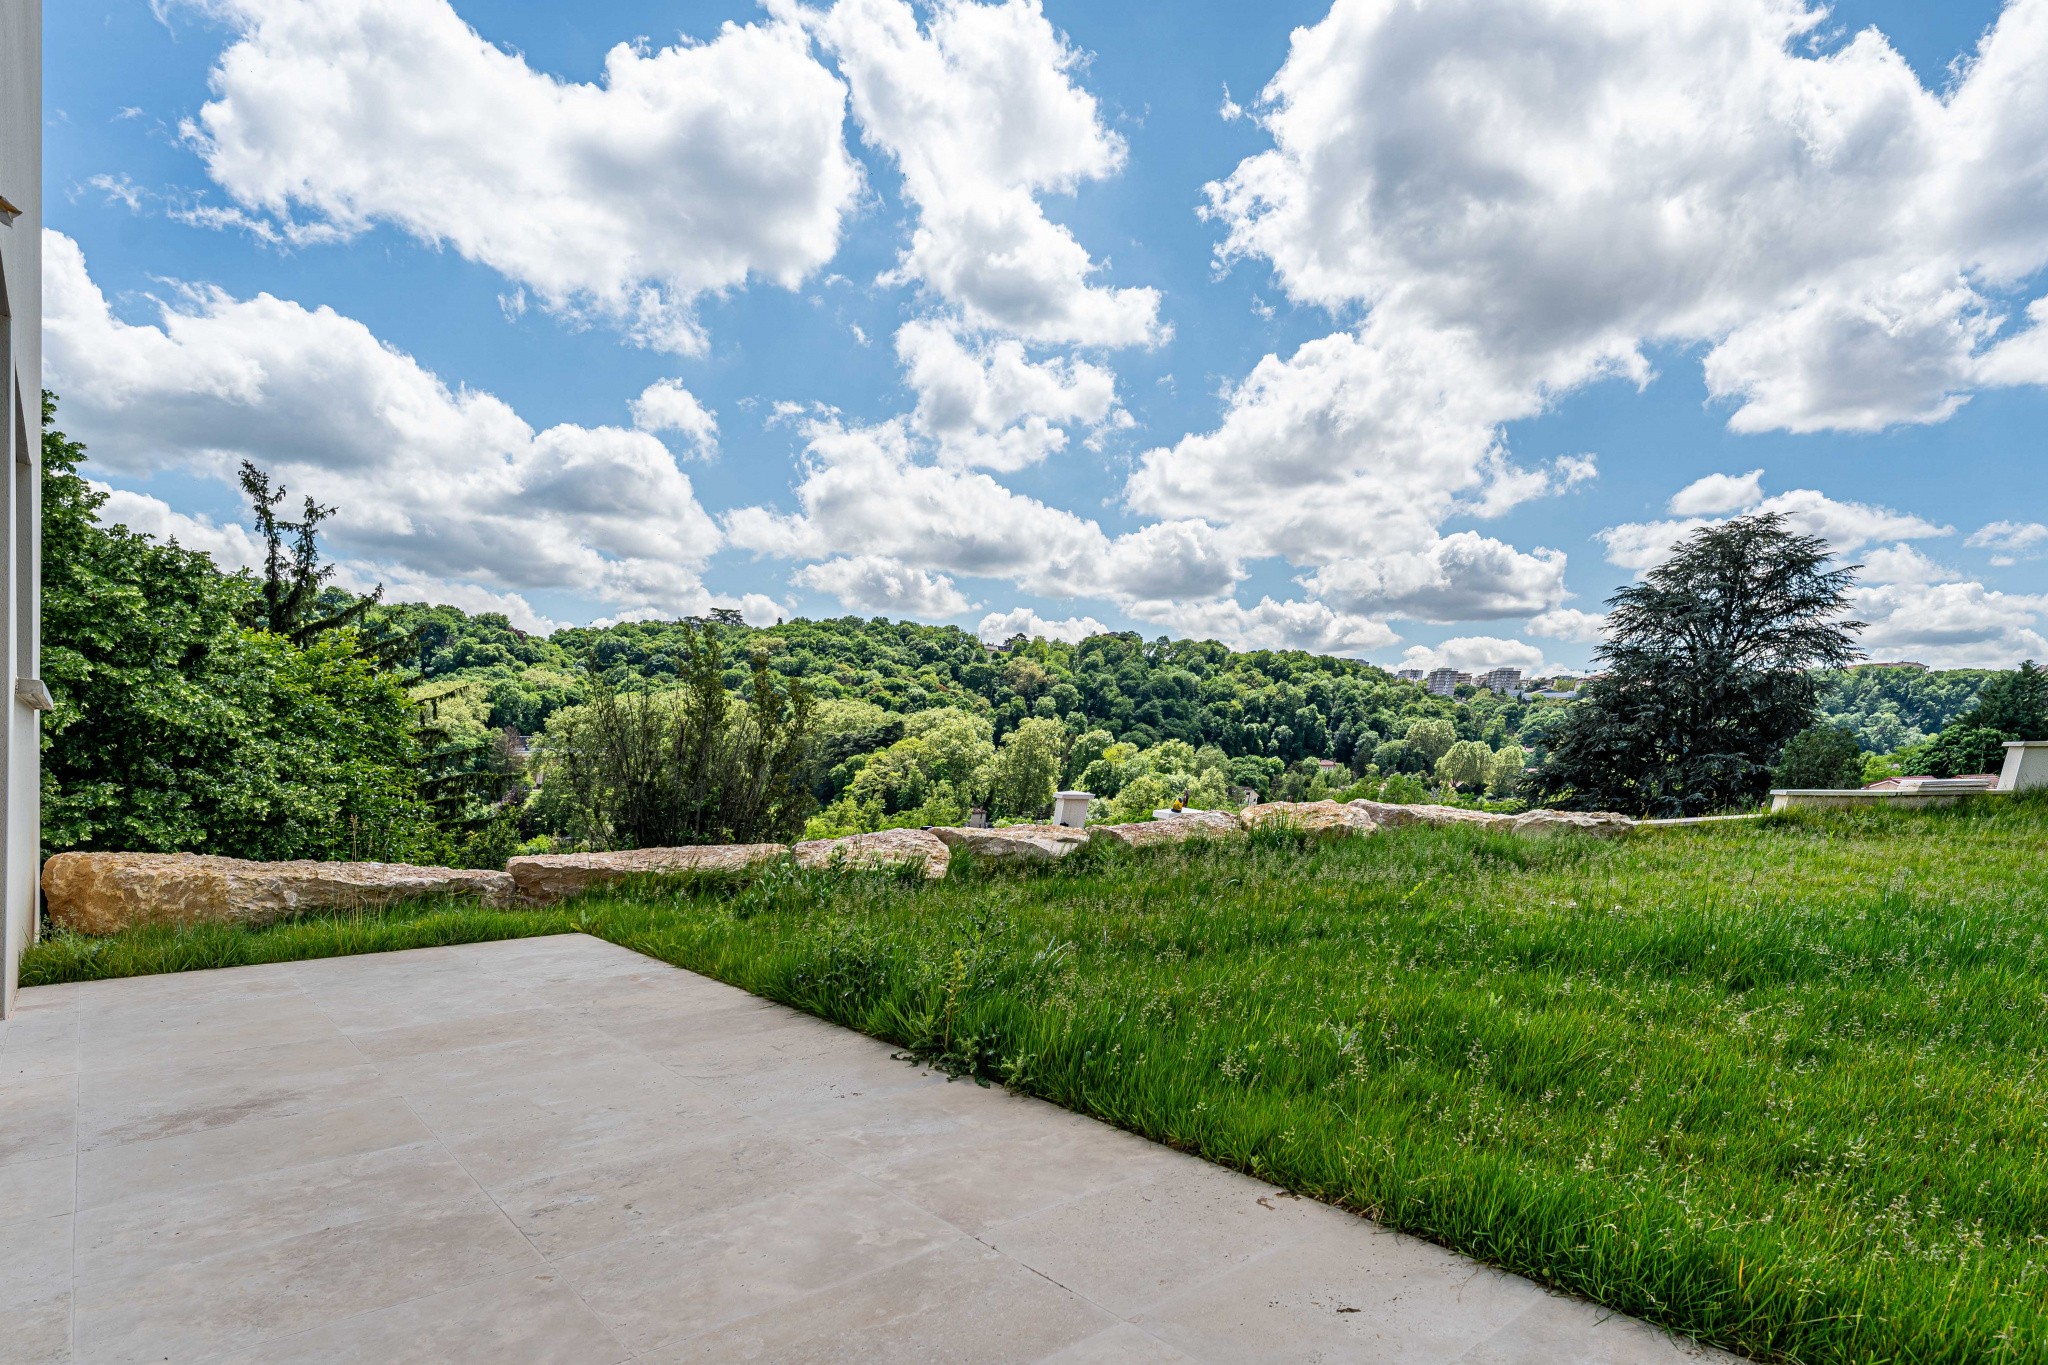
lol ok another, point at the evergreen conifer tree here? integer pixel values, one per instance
(1709, 673)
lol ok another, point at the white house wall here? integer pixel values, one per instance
(21, 184)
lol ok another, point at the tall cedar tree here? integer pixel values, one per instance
(465, 776)
(1707, 677)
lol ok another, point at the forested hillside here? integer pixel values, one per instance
(917, 723)
(272, 715)
(1889, 707)
(1289, 705)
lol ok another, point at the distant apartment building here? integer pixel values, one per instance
(1445, 682)
(21, 412)
(1501, 680)
(1442, 682)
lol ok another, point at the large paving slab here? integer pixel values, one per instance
(556, 1150)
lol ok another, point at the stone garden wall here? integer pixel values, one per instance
(101, 893)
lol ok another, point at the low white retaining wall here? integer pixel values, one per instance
(2026, 767)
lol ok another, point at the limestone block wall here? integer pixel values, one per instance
(104, 893)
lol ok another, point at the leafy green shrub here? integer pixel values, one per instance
(1171, 771)
(1021, 777)
(690, 765)
(2015, 704)
(1467, 764)
(1504, 776)
(1431, 738)
(1826, 756)
(1962, 750)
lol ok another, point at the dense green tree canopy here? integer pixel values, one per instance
(1025, 771)
(1283, 705)
(177, 728)
(1432, 738)
(2008, 706)
(685, 765)
(2015, 704)
(1890, 706)
(1504, 776)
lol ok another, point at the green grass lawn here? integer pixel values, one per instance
(1777, 1085)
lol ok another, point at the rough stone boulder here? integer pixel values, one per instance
(1169, 829)
(1601, 824)
(542, 878)
(1312, 817)
(1394, 816)
(881, 849)
(1015, 843)
(100, 893)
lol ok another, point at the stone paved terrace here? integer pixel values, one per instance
(557, 1150)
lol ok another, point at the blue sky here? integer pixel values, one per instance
(1472, 290)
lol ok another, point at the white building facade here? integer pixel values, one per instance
(21, 388)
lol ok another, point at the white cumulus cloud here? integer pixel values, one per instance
(999, 626)
(1477, 654)
(1352, 437)
(1571, 181)
(446, 486)
(869, 490)
(1347, 457)
(666, 405)
(1846, 526)
(682, 170)
(2009, 541)
(1268, 624)
(980, 108)
(1718, 493)
(1502, 203)
(980, 111)
(1902, 563)
(989, 404)
(875, 583)
(1567, 623)
(1951, 625)
(1459, 577)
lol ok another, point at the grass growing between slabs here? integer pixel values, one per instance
(1779, 1085)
